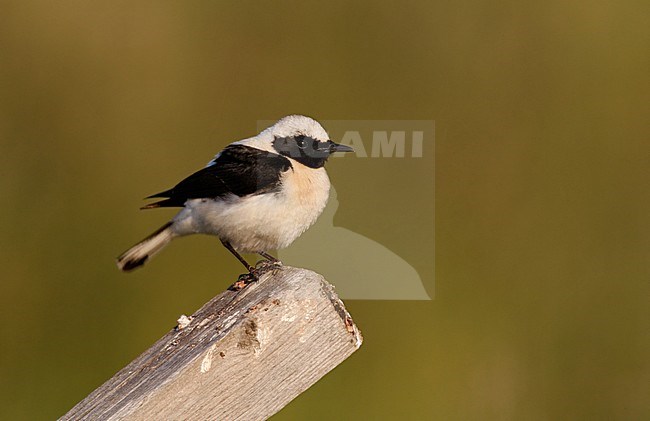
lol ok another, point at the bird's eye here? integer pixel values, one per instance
(300, 141)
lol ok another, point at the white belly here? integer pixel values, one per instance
(268, 221)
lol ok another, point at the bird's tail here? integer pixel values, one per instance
(137, 255)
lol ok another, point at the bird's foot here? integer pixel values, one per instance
(255, 273)
(264, 266)
(244, 280)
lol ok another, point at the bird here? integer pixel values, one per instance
(258, 194)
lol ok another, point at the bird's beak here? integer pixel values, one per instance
(340, 148)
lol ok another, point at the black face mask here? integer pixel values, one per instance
(307, 150)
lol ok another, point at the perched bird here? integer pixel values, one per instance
(256, 195)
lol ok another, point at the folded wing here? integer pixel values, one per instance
(240, 170)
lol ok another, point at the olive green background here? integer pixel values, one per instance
(541, 204)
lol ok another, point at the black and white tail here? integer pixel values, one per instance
(137, 255)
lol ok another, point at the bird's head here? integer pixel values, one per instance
(304, 140)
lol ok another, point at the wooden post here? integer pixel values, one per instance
(243, 355)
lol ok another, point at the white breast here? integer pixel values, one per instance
(263, 222)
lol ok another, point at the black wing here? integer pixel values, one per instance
(239, 170)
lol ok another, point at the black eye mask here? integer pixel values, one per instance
(304, 149)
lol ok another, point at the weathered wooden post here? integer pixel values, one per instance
(243, 356)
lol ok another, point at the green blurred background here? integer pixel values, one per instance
(542, 231)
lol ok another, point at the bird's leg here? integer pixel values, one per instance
(265, 265)
(246, 278)
(269, 257)
(238, 256)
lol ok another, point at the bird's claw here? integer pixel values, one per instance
(244, 280)
(254, 273)
(265, 265)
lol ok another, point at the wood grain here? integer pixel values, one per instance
(243, 356)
